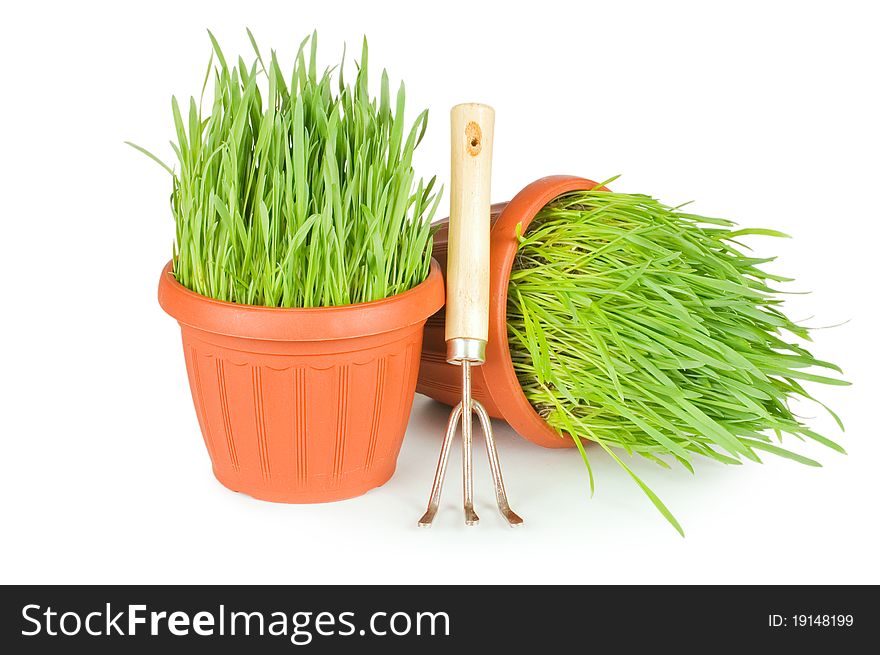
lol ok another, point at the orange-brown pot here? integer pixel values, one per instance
(495, 383)
(302, 405)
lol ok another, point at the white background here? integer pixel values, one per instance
(764, 112)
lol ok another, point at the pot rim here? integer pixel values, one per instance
(502, 384)
(302, 323)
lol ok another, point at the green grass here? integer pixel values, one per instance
(652, 332)
(298, 190)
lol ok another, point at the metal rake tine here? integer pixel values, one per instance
(467, 449)
(440, 475)
(495, 465)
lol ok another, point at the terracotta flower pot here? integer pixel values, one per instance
(495, 383)
(302, 405)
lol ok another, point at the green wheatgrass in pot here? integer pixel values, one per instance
(647, 329)
(293, 193)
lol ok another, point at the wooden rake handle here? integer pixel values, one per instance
(467, 273)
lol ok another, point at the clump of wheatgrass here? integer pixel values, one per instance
(649, 330)
(291, 193)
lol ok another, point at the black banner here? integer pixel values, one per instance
(287, 619)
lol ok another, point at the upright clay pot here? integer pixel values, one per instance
(495, 383)
(302, 405)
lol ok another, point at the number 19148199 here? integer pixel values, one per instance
(811, 621)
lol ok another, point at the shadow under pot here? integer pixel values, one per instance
(495, 383)
(302, 405)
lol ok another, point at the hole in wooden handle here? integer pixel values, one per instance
(474, 136)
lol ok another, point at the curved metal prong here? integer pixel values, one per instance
(434, 501)
(495, 465)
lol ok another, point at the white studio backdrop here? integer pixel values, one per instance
(764, 112)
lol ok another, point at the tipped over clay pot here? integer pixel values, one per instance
(495, 383)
